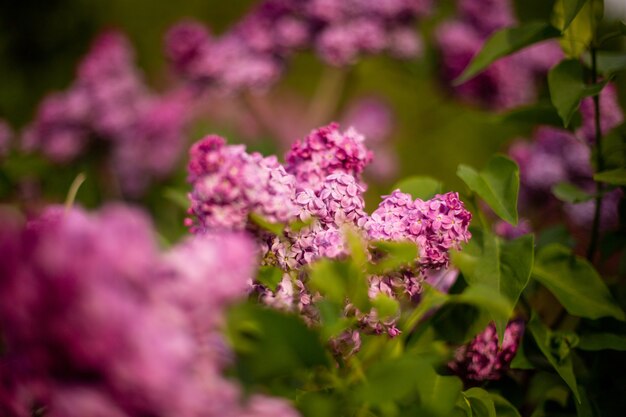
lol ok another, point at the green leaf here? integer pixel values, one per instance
(271, 344)
(481, 402)
(505, 42)
(575, 283)
(420, 187)
(396, 255)
(565, 82)
(438, 394)
(579, 32)
(570, 11)
(497, 185)
(615, 176)
(338, 280)
(504, 266)
(389, 380)
(270, 276)
(607, 63)
(537, 114)
(485, 298)
(602, 341)
(431, 298)
(386, 307)
(178, 197)
(570, 193)
(263, 223)
(503, 407)
(548, 343)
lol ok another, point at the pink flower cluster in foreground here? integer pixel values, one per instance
(556, 155)
(510, 81)
(254, 52)
(108, 110)
(96, 322)
(482, 359)
(321, 186)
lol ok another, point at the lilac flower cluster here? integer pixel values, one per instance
(109, 107)
(482, 359)
(556, 155)
(6, 135)
(320, 186)
(95, 322)
(326, 151)
(254, 52)
(510, 81)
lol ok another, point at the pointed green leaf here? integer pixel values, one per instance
(575, 283)
(420, 187)
(505, 42)
(579, 32)
(503, 407)
(570, 11)
(567, 88)
(615, 177)
(570, 193)
(548, 343)
(497, 185)
(481, 402)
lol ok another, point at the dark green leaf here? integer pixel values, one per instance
(538, 114)
(608, 63)
(481, 402)
(567, 88)
(270, 344)
(497, 185)
(504, 266)
(485, 298)
(615, 177)
(548, 343)
(396, 255)
(602, 341)
(505, 42)
(503, 407)
(570, 193)
(420, 187)
(270, 276)
(575, 283)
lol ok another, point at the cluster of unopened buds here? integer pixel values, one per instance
(320, 186)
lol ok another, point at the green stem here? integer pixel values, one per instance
(327, 96)
(71, 194)
(595, 228)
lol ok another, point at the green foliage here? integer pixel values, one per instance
(578, 33)
(575, 283)
(602, 341)
(505, 42)
(570, 193)
(615, 176)
(557, 349)
(394, 256)
(420, 187)
(570, 8)
(497, 184)
(501, 265)
(270, 276)
(567, 88)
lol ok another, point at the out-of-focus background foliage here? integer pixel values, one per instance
(42, 42)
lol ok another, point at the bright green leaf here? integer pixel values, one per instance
(485, 298)
(575, 283)
(497, 185)
(270, 276)
(570, 11)
(602, 341)
(570, 193)
(578, 34)
(395, 255)
(505, 42)
(420, 187)
(615, 177)
(481, 402)
(546, 342)
(386, 307)
(438, 394)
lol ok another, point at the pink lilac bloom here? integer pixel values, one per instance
(436, 225)
(95, 321)
(510, 81)
(482, 359)
(254, 52)
(109, 110)
(611, 114)
(229, 184)
(6, 135)
(327, 151)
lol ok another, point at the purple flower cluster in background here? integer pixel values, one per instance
(482, 359)
(109, 108)
(255, 51)
(510, 81)
(556, 155)
(96, 322)
(321, 187)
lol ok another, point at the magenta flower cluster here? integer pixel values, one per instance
(321, 187)
(96, 322)
(510, 81)
(254, 52)
(482, 359)
(108, 110)
(556, 155)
